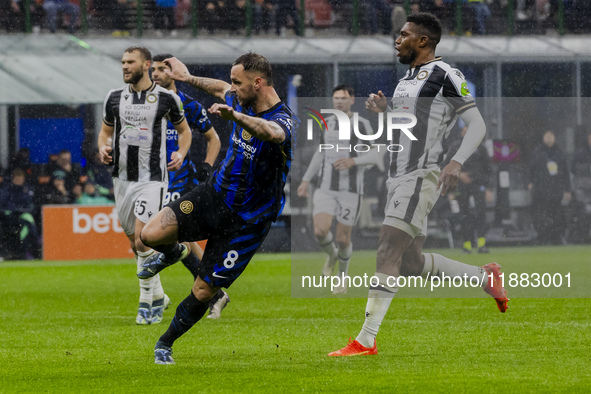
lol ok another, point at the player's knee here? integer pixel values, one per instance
(202, 291)
(411, 266)
(148, 236)
(320, 232)
(343, 242)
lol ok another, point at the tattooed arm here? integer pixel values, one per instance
(180, 72)
(260, 128)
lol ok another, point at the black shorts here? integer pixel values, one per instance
(231, 241)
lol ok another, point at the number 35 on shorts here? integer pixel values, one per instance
(140, 207)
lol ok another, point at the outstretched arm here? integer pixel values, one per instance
(260, 128)
(178, 71)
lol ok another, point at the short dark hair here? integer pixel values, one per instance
(18, 172)
(254, 62)
(145, 52)
(161, 57)
(429, 24)
(344, 87)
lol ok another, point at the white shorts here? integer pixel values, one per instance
(410, 199)
(140, 200)
(344, 205)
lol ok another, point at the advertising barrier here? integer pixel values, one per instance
(76, 232)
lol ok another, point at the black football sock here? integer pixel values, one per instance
(189, 312)
(171, 251)
(216, 297)
(191, 262)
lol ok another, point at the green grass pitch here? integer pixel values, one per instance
(70, 327)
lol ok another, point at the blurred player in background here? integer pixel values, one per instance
(190, 174)
(340, 190)
(235, 210)
(475, 184)
(435, 94)
(133, 139)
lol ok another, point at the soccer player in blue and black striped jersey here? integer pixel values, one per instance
(192, 171)
(235, 210)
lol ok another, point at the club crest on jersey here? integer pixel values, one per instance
(422, 75)
(246, 136)
(186, 207)
(151, 98)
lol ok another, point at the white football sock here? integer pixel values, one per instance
(328, 246)
(378, 302)
(146, 285)
(345, 259)
(438, 265)
(158, 291)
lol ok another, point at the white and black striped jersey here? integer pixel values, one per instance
(436, 94)
(139, 141)
(351, 179)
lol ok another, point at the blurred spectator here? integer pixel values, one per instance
(578, 15)
(581, 164)
(52, 7)
(398, 18)
(64, 163)
(580, 209)
(100, 175)
(16, 213)
(475, 185)
(449, 19)
(235, 15)
(435, 7)
(22, 160)
(525, 9)
(15, 14)
(120, 10)
(283, 10)
(371, 9)
(214, 13)
(90, 196)
(164, 11)
(263, 10)
(550, 186)
(481, 14)
(54, 192)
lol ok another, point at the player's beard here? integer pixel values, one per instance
(135, 77)
(247, 102)
(408, 59)
(166, 86)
